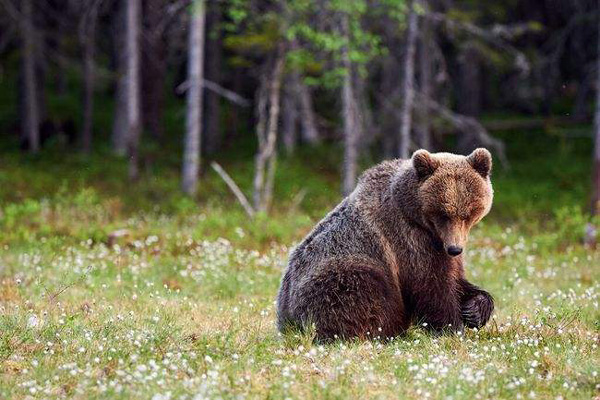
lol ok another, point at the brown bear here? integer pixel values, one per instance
(390, 253)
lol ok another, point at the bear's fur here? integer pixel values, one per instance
(382, 258)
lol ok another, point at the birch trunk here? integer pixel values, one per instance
(133, 85)
(408, 91)
(308, 120)
(304, 104)
(289, 116)
(267, 138)
(191, 152)
(425, 75)
(31, 119)
(119, 128)
(89, 49)
(350, 117)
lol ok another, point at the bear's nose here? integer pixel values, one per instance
(454, 250)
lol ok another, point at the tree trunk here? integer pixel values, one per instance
(233, 125)
(408, 91)
(367, 127)
(133, 85)
(290, 116)
(57, 43)
(89, 48)
(308, 119)
(582, 98)
(596, 173)
(30, 121)
(425, 75)
(212, 131)
(120, 125)
(191, 152)
(61, 74)
(267, 136)
(41, 27)
(350, 116)
(469, 93)
(388, 116)
(154, 55)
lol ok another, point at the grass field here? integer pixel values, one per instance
(182, 306)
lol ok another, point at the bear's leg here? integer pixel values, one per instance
(284, 322)
(350, 298)
(477, 305)
(440, 313)
(435, 304)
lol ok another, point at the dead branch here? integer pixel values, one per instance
(234, 188)
(226, 93)
(466, 124)
(218, 89)
(297, 200)
(496, 36)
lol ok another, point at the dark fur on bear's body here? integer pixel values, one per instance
(380, 260)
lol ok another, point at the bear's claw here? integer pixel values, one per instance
(477, 310)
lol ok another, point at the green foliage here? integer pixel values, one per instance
(571, 224)
(314, 46)
(252, 34)
(328, 44)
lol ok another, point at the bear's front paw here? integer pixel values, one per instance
(477, 310)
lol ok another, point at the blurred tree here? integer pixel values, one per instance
(469, 95)
(120, 124)
(289, 111)
(596, 163)
(59, 14)
(154, 58)
(342, 47)
(408, 91)
(87, 37)
(30, 118)
(268, 106)
(350, 71)
(423, 127)
(308, 118)
(133, 86)
(350, 111)
(214, 49)
(191, 152)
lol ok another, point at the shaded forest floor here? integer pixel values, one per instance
(182, 305)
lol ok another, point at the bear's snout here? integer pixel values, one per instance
(454, 250)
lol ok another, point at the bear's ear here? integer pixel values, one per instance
(424, 163)
(481, 161)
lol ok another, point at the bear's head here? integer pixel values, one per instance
(454, 193)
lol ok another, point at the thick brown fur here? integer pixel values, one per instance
(381, 259)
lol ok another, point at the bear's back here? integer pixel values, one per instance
(344, 232)
(348, 229)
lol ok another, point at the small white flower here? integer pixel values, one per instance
(33, 321)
